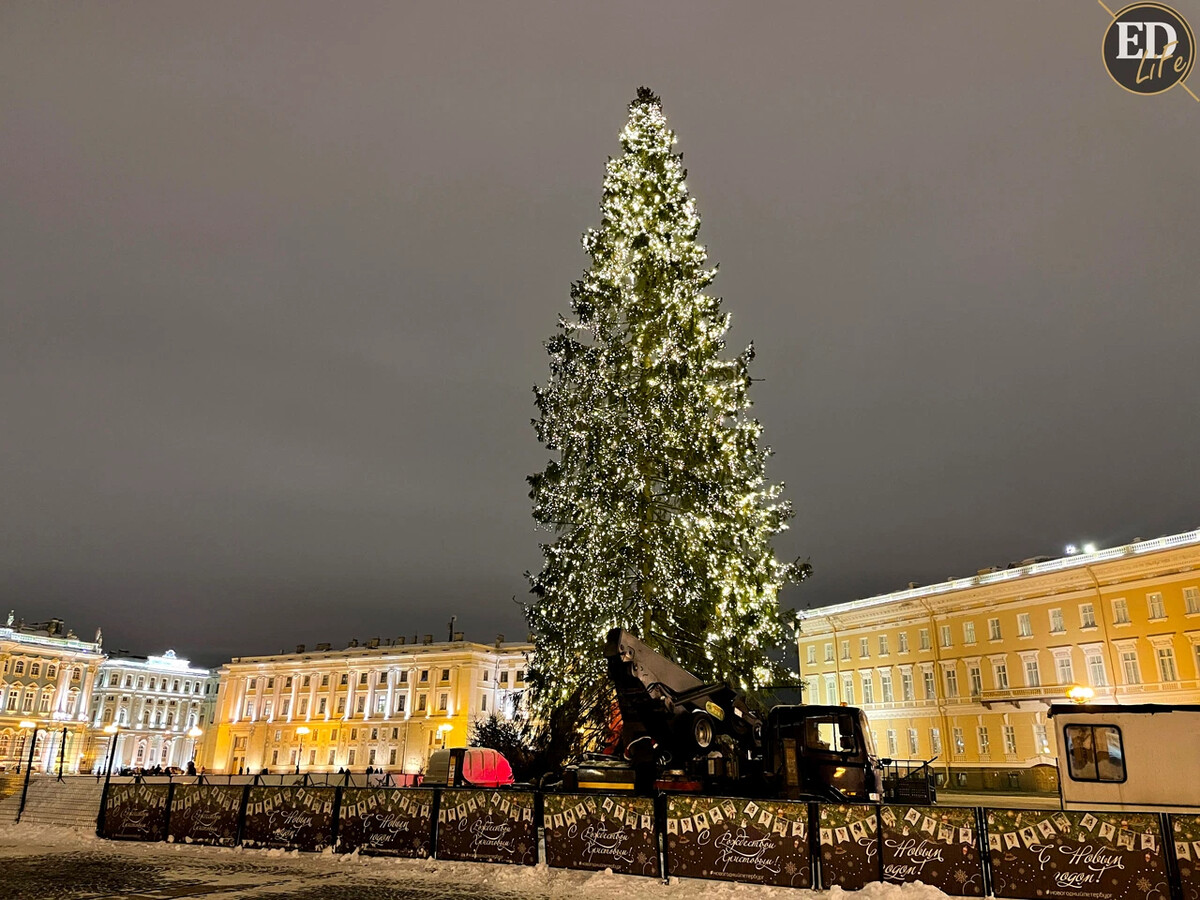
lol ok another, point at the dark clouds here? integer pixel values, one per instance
(274, 281)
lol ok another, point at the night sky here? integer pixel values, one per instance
(275, 277)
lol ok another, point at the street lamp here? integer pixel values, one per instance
(27, 725)
(1081, 694)
(442, 730)
(301, 731)
(111, 730)
(194, 733)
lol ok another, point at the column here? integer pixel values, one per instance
(391, 693)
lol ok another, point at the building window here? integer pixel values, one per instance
(1095, 666)
(424, 676)
(960, 744)
(1166, 664)
(303, 709)
(392, 757)
(868, 689)
(1154, 603)
(400, 703)
(35, 670)
(331, 753)
(812, 654)
(344, 678)
(520, 676)
(270, 683)
(341, 707)
(845, 649)
(903, 639)
(1000, 671)
(935, 741)
(927, 676)
(1065, 673)
(985, 744)
(362, 705)
(383, 677)
(912, 743)
(891, 742)
(924, 638)
(306, 681)
(404, 677)
(19, 667)
(951, 683)
(994, 630)
(975, 679)
(1087, 615)
(1010, 740)
(483, 703)
(52, 671)
(1120, 611)
(421, 703)
(1191, 600)
(320, 706)
(1130, 668)
(968, 632)
(1033, 677)
(885, 685)
(883, 645)
(828, 653)
(1094, 752)
(325, 680)
(1056, 622)
(864, 648)
(381, 704)
(1041, 742)
(906, 684)
(1024, 625)
(362, 679)
(350, 757)
(848, 687)
(446, 674)
(443, 700)
(946, 642)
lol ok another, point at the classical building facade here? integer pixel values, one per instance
(46, 677)
(156, 708)
(965, 670)
(384, 705)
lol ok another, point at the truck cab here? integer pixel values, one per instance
(824, 752)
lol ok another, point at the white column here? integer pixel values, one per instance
(391, 693)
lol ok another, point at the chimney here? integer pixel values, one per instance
(300, 648)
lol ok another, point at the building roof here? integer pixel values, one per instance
(1019, 571)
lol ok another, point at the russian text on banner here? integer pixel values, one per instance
(1100, 855)
(387, 821)
(293, 818)
(1185, 833)
(598, 831)
(136, 812)
(205, 814)
(487, 826)
(735, 839)
(936, 845)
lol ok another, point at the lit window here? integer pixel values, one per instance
(1033, 677)
(1094, 752)
(1024, 625)
(903, 641)
(1010, 740)
(1120, 611)
(883, 645)
(924, 635)
(1087, 616)
(812, 654)
(946, 641)
(985, 746)
(864, 648)
(1130, 668)
(994, 629)
(1191, 600)
(935, 741)
(1166, 664)
(968, 632)
(1154, 604)
(829, 653)
(1056, 622)
(1000, 670)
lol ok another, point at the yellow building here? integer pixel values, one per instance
(965, 670)
(384, 705)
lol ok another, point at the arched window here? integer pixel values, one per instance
(51, 671)
(141, 753)
(5, 743)
(76, 673)
(35, 670)
(19, 667)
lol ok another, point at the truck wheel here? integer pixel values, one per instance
(702, 731)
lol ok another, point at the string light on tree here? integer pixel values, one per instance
(657, 495)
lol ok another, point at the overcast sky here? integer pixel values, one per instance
(275, 277)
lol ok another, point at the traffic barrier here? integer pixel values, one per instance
(1043, 853)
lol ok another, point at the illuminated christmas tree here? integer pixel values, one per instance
(658, 497)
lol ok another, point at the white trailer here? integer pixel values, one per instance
(1139, 757)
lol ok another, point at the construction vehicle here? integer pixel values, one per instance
(680, 734)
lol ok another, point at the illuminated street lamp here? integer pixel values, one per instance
(301, 731)
(31, 726)
(442, 730)
(1081, 694)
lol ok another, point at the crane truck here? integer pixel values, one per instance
(680, 734)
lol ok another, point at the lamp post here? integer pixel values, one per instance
(301, 732)
(33, 727)
(194, 733)
(111, 730)
(442, 731)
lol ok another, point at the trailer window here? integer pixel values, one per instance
(1094, 752)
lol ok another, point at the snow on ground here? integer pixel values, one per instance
(262, 869)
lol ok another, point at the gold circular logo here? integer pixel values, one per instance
(1149, 48)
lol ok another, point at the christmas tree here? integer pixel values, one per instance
(658, 496)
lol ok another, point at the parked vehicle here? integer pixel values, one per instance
(1139, 757)
(680, 734)
(467, 767)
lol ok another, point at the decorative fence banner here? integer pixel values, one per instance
(1185, 833)
(936, 845)
(295, 818)
(136, 812)
(487, 826)
(734, 839)
(594, 831)
(849, 845)
(205, 814)
(391, 821)
(1097, 855)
